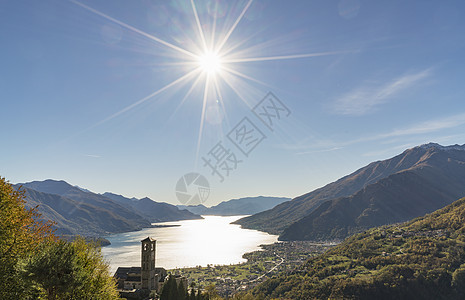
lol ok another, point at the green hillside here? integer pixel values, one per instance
(420, 259)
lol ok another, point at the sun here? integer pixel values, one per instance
(210, 62)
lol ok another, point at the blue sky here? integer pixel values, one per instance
(109, 95)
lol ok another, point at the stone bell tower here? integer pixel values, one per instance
(148, 263)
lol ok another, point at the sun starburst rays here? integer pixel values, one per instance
(209, 60)
(233, 27)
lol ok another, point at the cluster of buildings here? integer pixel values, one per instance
(147, 277)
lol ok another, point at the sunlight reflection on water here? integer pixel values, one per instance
(212, 240)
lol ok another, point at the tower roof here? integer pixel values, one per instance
(149, 239)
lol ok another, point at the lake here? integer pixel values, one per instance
(212, 240)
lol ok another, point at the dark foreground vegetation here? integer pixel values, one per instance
(420, 259)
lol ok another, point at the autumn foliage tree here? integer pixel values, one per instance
(21, 232)
(68, 270)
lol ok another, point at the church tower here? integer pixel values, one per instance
(148, 263)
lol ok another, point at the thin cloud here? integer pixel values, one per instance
(389, 150)
(418, 129)
(319, 151)
(428, 126)
(366, 99)
(93, 155)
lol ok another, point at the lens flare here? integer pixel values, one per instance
(210, 62)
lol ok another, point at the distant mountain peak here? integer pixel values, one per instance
(240, 206)
(51, 181)
(83, 189)
(440, 147)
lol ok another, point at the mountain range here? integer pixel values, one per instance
(74, 217)
(153, 211)
(78, 211)
(417, 181)
(241, 206)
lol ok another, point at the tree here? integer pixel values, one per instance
(211, 291)
(69, 270)
(458, 281)
(21, 232)
(182, 291)
(170, 289)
